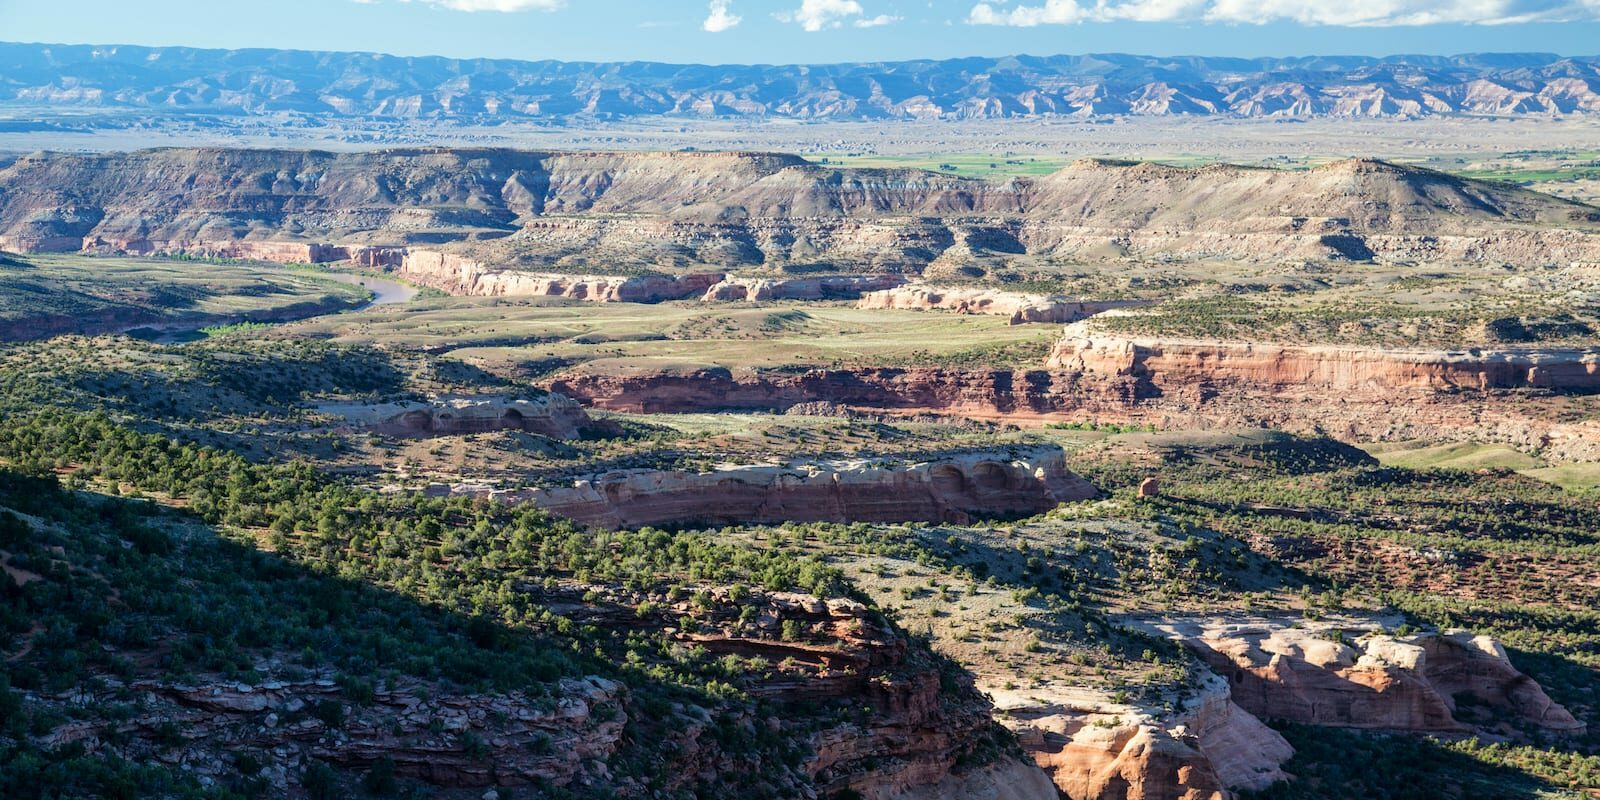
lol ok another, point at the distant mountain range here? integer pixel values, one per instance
(181, 79)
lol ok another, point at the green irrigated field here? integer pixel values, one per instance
(976, 165)
(994, 165)
(613, 335)
(43, 294)
(1571, 173)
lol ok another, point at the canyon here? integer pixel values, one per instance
(1467, 395)
(987, 612)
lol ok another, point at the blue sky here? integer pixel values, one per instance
(814, 31)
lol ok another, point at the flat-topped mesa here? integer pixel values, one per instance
(552, 415)
(1014, 481)
(1179, 367)
(1020, 307)
(1326, 675)
(565, 212)
(1097, 749)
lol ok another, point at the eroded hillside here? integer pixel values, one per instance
(499, 210)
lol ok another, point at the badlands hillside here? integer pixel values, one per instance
(570, 211)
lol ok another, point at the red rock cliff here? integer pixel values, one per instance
(1373, 680)
(1178, 365)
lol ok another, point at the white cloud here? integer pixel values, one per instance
(720, 18)
(814, 15)
(874, 22)
(498, 5)
(1353, 13)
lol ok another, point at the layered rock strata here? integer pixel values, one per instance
(829, 287)
(1171, 365)
(552, 415)
(460, 275)
(1349, 392)
(1007, 482)
(549, 212)
(1020, 307)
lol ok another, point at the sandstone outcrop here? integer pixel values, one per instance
(544, 213)
(1349, 392)
(552, 415)
(1191, 398)
(1006, 482)
(1322, 674)
(1095, 749)
(1177, 365)
(467, 276)
(918, 730)
(1019, 306)
(830, 287)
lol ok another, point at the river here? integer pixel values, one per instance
(384, 291)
